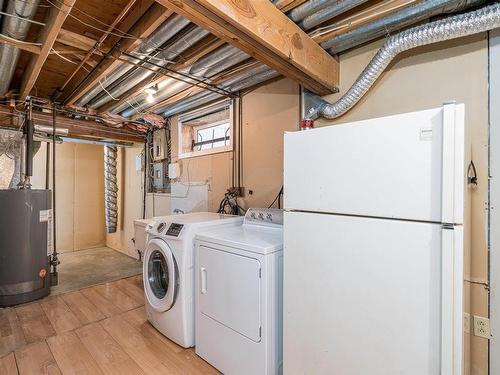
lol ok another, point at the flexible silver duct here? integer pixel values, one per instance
(160, 36)
(17, 28)
(329, 12)
(395, 21)
(162, 58)
(478, 21)
(308, 8)
(110, 188)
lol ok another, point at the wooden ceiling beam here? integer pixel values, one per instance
(203, 48)
(263, 31)
(76, 128)
(150, 21)
(75, 40)
(287, 5)
(56, 18)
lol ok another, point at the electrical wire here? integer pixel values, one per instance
(278, 198)
(121, 35)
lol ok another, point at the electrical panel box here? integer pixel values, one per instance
(160, 146)
(160, 179)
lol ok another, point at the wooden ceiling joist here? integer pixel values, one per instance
(203, 48)
(263, 31)
(153, 18)
(76, 128)
(56, 18)
(287, 5)
(75, 40)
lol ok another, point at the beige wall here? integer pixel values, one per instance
(79, 194)
(426, 78)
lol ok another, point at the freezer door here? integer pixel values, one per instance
(371, 296)
(408, 166)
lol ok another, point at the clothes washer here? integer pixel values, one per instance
(239, 293)
(168, 271)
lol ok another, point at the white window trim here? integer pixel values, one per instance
(217, 150)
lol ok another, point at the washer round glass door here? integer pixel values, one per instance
(160, 275)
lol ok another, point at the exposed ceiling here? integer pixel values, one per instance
(99, 56)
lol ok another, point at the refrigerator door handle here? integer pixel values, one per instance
(451, 300)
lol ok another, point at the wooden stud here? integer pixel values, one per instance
(75, 40)
(287, 5)
(264, 32)
(57, 16)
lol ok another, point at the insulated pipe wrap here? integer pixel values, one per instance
(478, 21)
(110, 188)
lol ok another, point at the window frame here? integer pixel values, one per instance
(216, 150)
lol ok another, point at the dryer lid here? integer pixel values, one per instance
(253, 238)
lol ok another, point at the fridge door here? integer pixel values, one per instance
(408, 166)
(371, 296)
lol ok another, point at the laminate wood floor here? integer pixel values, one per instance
(97, 330)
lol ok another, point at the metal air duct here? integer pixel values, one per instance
(138, 75)
(308, 8)
(474, 22)
(395, 21)
(166, 31)
(110, 188)
(15, 27)
(329, 12)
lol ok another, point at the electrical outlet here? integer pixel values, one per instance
(466, 322)
(481, 327)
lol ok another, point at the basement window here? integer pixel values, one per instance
(205, 131)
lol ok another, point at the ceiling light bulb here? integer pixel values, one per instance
(151, 90)
(150, 98)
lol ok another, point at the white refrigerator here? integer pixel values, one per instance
(373, 246)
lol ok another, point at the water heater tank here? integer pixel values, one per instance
(25, 226)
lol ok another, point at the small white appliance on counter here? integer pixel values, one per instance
(239, 295)
(373, 235)
(168, 271)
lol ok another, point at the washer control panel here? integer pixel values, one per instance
(174, 229)
(264, 216)
(161, 227)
